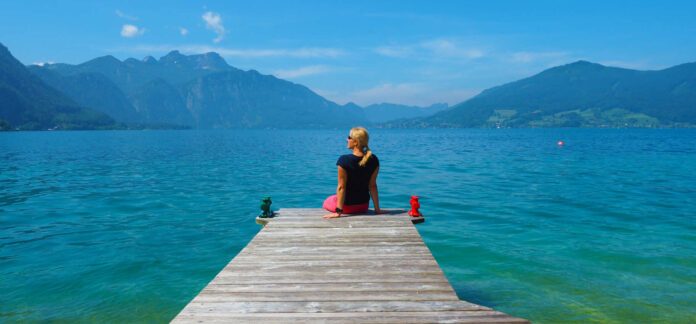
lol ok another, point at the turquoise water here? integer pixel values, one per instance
(128, 226)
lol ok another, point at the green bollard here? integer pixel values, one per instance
(266, 211)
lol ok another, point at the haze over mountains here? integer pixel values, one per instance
(203, 91)
(384, 112)
(580, 94)
(199, 91)
(28, 103)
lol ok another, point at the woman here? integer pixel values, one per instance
(357, 178)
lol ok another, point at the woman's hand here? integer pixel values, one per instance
(381, 211)
(332, 215)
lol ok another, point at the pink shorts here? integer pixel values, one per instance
(330, 205)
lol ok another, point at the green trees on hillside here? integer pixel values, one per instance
(5, 126)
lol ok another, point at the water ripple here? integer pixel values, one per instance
(119, 226)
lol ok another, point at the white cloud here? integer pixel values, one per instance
(394, 51)
(299, 52)
(635, 65)
(213, 21)
(302, 71)
(445, 48)
(394, 93)
(328, 94)
(125, 16)
(310, 52)
(437, 49)
(412, 94)
(527, 57)
(453, 97)
(183, 31)
(131, 31)
(42, 63)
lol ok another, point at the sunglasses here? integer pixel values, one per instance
(349, 137)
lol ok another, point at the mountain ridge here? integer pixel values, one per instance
(203, 91)
(579, 94)
(28, 103)
(244, 92)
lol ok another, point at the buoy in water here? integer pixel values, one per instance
(560, 143)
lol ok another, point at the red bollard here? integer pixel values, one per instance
(414, 207)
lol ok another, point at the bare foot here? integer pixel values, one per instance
(332, 215)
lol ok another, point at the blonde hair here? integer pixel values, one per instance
(360, 135)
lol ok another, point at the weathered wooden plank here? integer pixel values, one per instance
(305, 212)
(325, 224)
(329, 251)
(308, 255)
(404, 218)
(275, 230)
(344, 218)
(346, 238)
(331, 307)
(320, 211)
(338, 263)
(341, 225)
(333, 243)
(329, 271)
(348, 261)
(339, 252)
(351, 286)
(350, 216)
(263, 253)
(343, 236)
(374, 222)
(337, 236)
(312, 212)
(383, 217)
(365, 268)
(324, 248)
(285, 214)
(207, 295)
(355, 317)
(289, 268)
(357, 257)
(325, 241)
(330, 278)
(284, 259)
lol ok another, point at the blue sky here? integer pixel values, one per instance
(407, 52)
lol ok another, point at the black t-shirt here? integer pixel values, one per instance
(357, 187)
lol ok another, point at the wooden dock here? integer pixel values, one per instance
(301, 268)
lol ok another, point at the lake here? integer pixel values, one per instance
(128, 226)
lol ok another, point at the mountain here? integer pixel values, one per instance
(200, 91)
(26, 102)
(249, 99)
(91, 89)
(580, 94)
(160, 102)
(131, 74)
(384, 112)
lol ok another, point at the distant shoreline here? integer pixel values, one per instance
(333, 128)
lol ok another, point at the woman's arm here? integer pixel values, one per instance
(374, 192)
(341, 189)
(340, 192)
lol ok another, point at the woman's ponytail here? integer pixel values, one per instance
(368, 154)
(361, 136)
